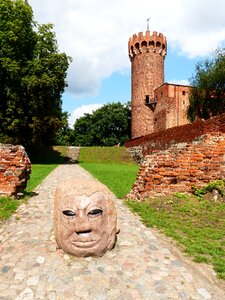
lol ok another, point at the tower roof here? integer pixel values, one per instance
(155, 42)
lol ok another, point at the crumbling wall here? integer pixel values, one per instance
(181, 134)
(179, 158)
(181, 167)
(15, 169)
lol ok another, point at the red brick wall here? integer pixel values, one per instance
(185, 133)
(173, 101)
(178, 158)
(15, 169)
(181, 167)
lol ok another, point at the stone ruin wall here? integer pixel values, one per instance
(179, 158)
(15, 169)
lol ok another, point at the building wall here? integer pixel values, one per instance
(147, 53)
(171, 108)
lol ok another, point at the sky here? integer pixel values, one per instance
(95, 34)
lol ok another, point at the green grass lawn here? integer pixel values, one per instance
(7, 207)
(197, 225)
(110, 165)
(44, 161)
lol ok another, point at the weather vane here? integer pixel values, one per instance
(148, 24)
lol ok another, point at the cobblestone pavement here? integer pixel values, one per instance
(143, 265)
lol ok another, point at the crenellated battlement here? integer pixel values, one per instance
(155, 42)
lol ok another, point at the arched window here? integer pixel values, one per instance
(144, 44)
(151, 43)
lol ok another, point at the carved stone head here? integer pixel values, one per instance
(84, 217)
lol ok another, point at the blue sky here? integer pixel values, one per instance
(117, 87)
(95, 34)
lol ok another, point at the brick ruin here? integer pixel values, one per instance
(15, 169)
(174, 155)
(176, 159)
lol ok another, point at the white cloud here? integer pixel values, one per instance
(80, 111)
(180, 81)
(95, 32)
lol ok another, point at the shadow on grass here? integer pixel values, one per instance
(27, 194)
(48, 155)
(71, 161)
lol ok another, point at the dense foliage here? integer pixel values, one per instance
(65, 135)
(107, 126)
(207, 97)
(32, 77)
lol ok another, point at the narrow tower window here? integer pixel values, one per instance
(151, 43)
(144, 44)
(137, 46)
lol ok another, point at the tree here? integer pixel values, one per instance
(32, 77)
(107, 126)
(207, 96)
(65, 135)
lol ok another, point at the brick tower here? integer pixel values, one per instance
(147, 53)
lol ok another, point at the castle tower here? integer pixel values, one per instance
(147, 53)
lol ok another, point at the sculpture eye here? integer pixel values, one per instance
(69, 213)
(95, 212)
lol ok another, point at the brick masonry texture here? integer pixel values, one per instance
(15, 169)
(179, 158)
(147, 53)
(171, 106)
(155, 105)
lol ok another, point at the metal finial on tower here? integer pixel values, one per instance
(148, 24)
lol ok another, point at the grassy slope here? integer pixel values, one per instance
(7, 207)
(197, 225)
(44, 161)
(110, 165)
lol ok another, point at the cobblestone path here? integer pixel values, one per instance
(143, 265)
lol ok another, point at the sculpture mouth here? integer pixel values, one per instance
(84, 244)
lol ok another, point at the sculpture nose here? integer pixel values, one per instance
(82, 224)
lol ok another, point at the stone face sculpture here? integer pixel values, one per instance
(84, 217)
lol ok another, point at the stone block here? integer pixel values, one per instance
(15, 169)
(84, 217)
